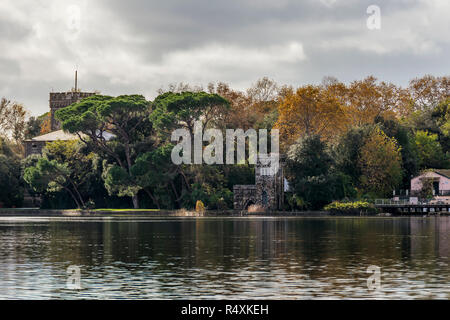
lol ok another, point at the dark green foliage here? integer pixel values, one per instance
(154, 172)
(63, 166)
(11, 192)
(347, 150)
(405, 138)
(5, 148)
(311, 175)
(429, 151)
(126, 118)
(239, 174)
(213, 198)
(33, 127)
(170, 110)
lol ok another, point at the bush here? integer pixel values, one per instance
(11, 191)
(199, 206)
(351, 208)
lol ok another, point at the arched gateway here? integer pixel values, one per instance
(267, 192)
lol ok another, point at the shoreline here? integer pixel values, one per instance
(154, 213)
(34, 212)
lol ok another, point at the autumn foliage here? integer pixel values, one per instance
(342, 141)
(381, 163)
(310, 110)
(333, 107)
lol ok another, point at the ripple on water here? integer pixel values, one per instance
(225, 258)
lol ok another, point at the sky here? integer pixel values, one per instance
(138, 47)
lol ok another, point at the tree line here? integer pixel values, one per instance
(360, 140)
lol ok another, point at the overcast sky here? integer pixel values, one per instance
(125, 47)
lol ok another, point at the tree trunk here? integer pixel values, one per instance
(77, 193)
(135, 201)
(177, 199)
(155, 201)
(73, 197)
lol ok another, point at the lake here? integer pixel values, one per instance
(224, 258)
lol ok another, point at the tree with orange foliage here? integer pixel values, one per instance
(255, 108)
(240, 114)
(366, 100)
(46, 125)
(427, 92)
(307, 111)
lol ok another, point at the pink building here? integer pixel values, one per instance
(440, 179)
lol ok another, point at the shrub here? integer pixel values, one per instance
(356, 207)
(199, 206)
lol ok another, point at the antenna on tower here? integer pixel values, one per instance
(76, 80)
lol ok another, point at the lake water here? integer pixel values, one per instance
(225, 258)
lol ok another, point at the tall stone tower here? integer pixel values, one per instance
(60, 100)
(269, 182)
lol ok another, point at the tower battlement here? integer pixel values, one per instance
(60, 100)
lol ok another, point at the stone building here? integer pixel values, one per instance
(36, 144)
(268, 190)
(57, 101)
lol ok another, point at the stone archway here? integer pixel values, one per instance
(249, 203)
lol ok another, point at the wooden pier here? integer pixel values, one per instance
(407, 208)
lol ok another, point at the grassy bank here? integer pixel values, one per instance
(31, 212)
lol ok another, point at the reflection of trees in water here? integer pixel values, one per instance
(315, 247)
(430, 238)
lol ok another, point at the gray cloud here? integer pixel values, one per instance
(139, 46)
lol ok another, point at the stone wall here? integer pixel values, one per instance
(267, 192)
(33, 147)
(244, 196)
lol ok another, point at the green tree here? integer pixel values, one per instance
(441, 116)
(405, 138)
(311, 174)
(155, 174)
(116, 127)
(11, 193)
(430, 151)
(181, 110)
(63, 166)
(380, 163)
(33, 127)
(347, 150)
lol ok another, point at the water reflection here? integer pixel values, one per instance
(230, 258)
